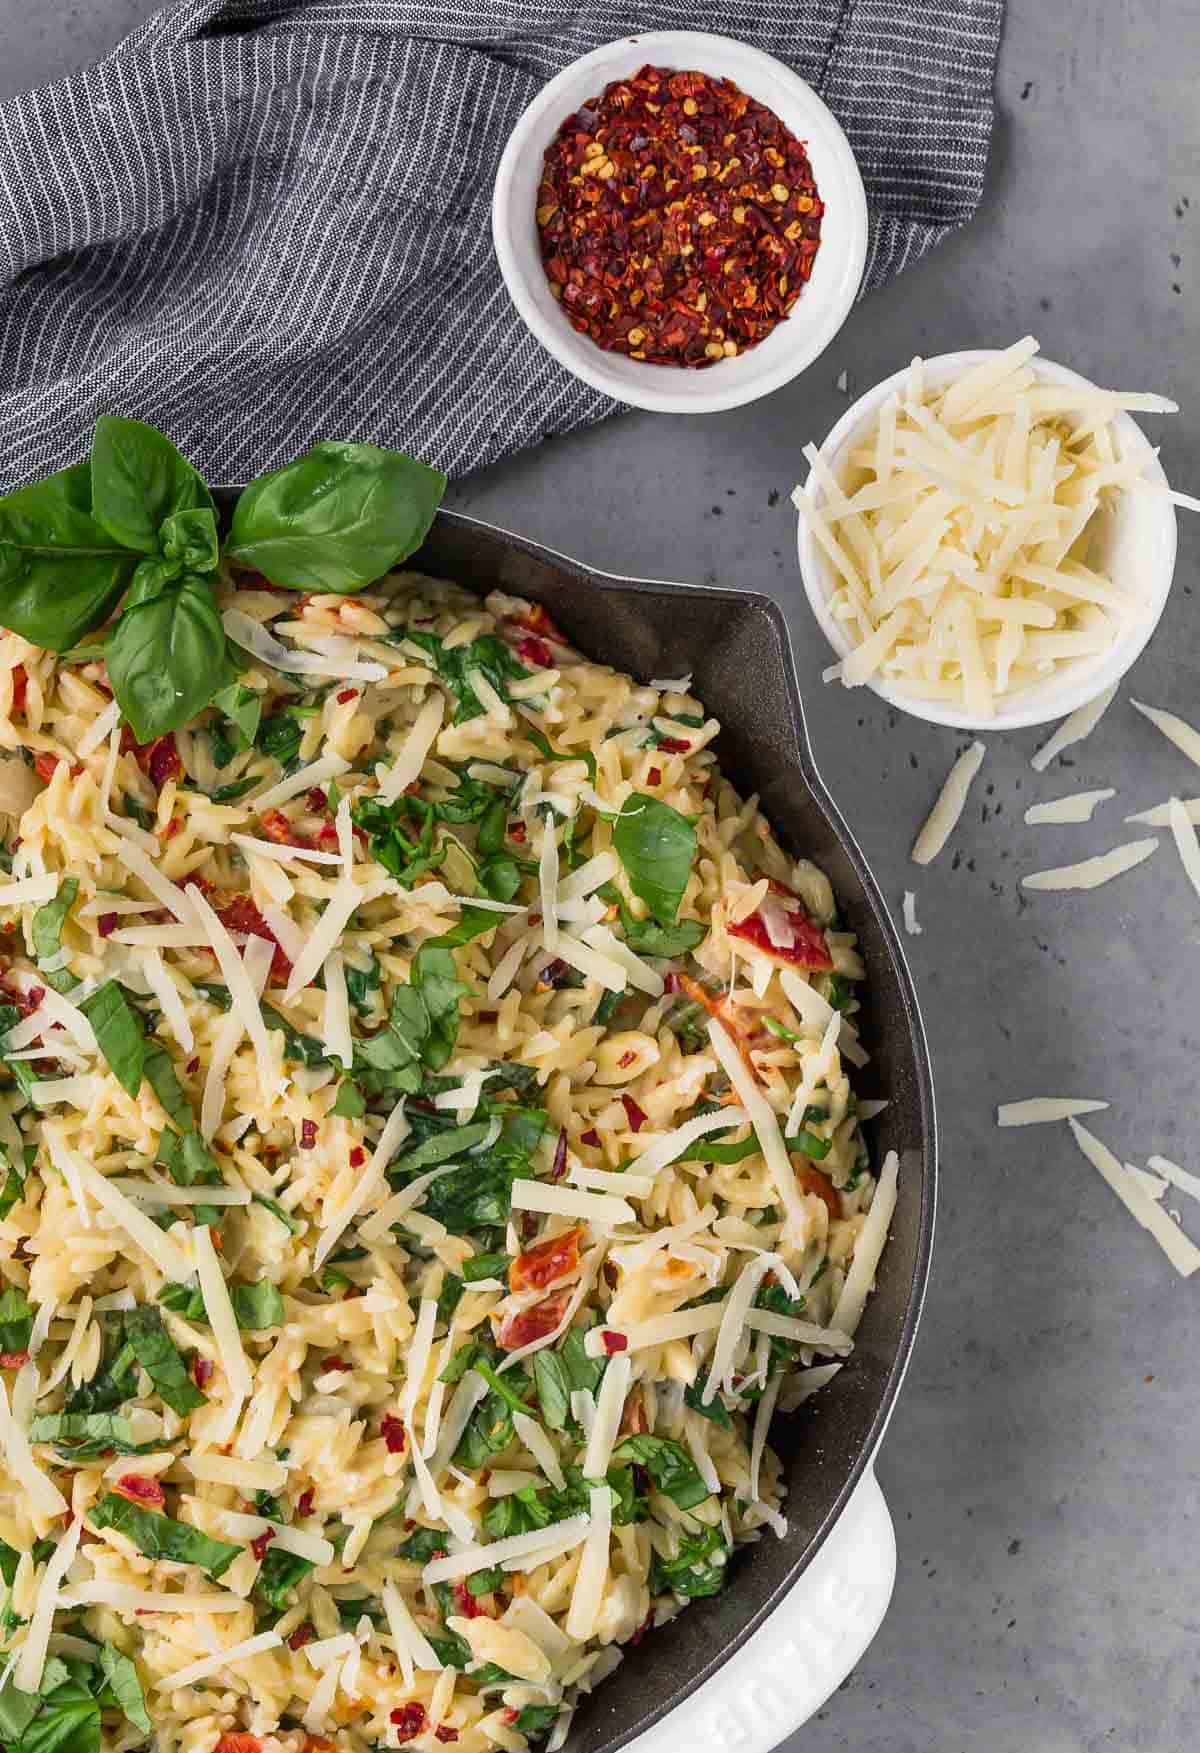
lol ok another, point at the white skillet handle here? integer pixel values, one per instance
(785, 1672)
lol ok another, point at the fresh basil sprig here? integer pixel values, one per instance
(136, 526)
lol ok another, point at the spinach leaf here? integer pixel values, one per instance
(16, 1321)
(488, 655)
(17, 1711)
(83, 1435)
(401, 854)
(336, 519)
(421, 1031)
(114, 1380)
(243, 707)
(488, 1433)
(257, 1306)
(485, 1582)
(158, 1355)
(362, 982)
(306, 1048)
(479, 1194)
(14, 1184)
(841, 992)
(280, 737)
(188, 1160)
(485, 1266)
(553, 1387)
(69, 1718)
(278, 1576)
(157, 1536)
(138, 481)
(441, 1147)
(714, 1409)
(499, 877)
(349, 1103)
(166, 656)
(698, 1568)
(159, 1069)
(122, 1677)
(460, 1363)
(419, 1548)
(231, 793)
(647, 938)
(118, 1034)
(472, 923)
(671, 1467)
(583, 1372)
(184, 1299)
(61, 572)
(656, 845)
(46, 932)
(535, 1720)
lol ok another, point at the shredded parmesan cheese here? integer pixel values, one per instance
(1079, 807)
(27, 1673)
(220, 1314)
(1041, 1110)
(867, 1249)
(910, 914)
(509, 1552)
(1092, 872)
(1185, 841)
(766, 1126)
(1183, 1254)
(396, 779)
(1177, 730)
(944, 816)
(593, 1566)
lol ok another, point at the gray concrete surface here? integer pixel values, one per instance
(1042, 1462)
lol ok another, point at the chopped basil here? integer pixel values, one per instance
(83, 1435)
(273, 1206)
(485, 1266)
(14, 1184)
(361, 983)
(243, 707)
(158, 1355)
(46, 933)
(159, 1537)
(160, 1072)
(350, 1103)
(421, 1031)
(698, 1567)
(542, 744)
(257, 1306)
(422, 1546)
(278, 1575)
(671, 1467)
(714, 1409)
(485, 1582)
(16, 1321)
(535, 1720)
(118, 1034)
(126, 1688)
(488, 655)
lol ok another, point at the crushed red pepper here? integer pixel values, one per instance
(678, 218)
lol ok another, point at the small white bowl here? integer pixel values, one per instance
(818, 313)
(1136, 548)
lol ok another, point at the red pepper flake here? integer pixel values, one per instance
(536, 652)
(466, 1603)
(316, 801)
(308, 1134)
(393, 1433)
(516, 831)
(140, 1489)
(358, 1157)
(654, 776)
(303, 1634)
(643, 1628)
(613, 1342)
(238, 1743)
(558, 1167)
(678, 218)
(163, 762)
(193, 1066)
(635, 1115)
(107, 924)
(202, 1371)
(592, 1137)
(555, 973)
(13, 1360)
(337, 1363)
(278, 827)
(304, 1503)
(443, 1732)
(674, 746)
(260, 1543)
(626, 1059)
(409, 1720)
(347, 694)
(612, 1275)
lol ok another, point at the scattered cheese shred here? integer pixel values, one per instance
(412, 1646)
(284, 1537)
(571, 1531)
(166, 1254)
(1181, 1178)
(867, 1249)
(734, 1311)
(1042, 1110)
(219, 1309)
(168, 996)
(910, 914)
(406, 768)
(1092, 872)
(943, 817)
(27, 1674)
(1158, 817)
(542, 1449)
(766, 1126)
(610, 1404)
(207, 1665)
(593, 1566)
(1177, 730)
(1079, 807)
(1185, 841)
(1183, 1253)
(347, 897)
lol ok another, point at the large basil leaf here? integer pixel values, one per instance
(138, 480)
(122, 1677)
(656, 845)
(166, 657)
(336, 519)
(118, 1034)
(158, 1536)
(61, 572)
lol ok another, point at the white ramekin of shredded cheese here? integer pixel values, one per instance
(1008, 545)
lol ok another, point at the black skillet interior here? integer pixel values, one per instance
(735, 645)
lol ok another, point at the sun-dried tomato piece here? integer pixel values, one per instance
(13, 1360)
(238, 913)
(138, 1488)
(522, 1326)
(548, 1263)
(238, 1743)
(409, 1720)
(807, 949)
(278, 827)
(20, 682)
(393, 1433)
(260, 1543)
(811, 1180)
(535, 651)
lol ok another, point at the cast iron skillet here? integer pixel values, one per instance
(735, 645)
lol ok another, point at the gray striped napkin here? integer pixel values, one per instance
(259, 223)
